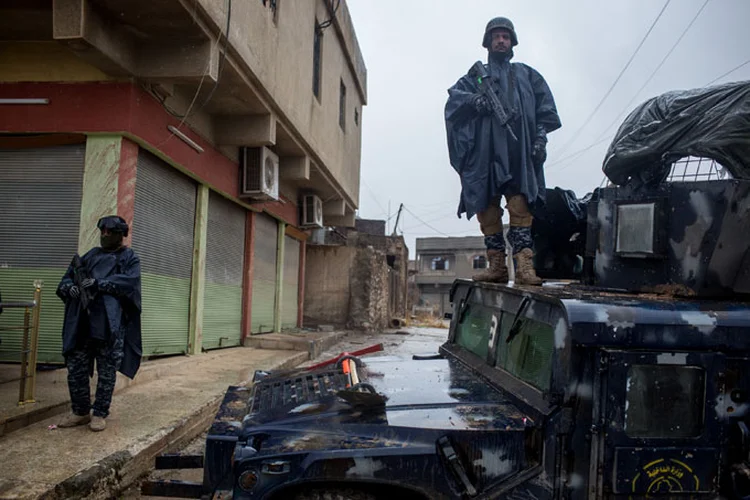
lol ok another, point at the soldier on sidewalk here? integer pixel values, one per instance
(496, 158)
(102, 295)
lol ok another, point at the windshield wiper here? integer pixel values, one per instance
(515, 328)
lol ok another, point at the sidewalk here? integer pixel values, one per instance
(174, 402)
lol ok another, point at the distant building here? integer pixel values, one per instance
(441, 261)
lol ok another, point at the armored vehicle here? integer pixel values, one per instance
(631, 382)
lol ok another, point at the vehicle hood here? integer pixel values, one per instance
(425, 394)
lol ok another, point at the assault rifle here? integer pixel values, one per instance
(479, 72)
(80, 273)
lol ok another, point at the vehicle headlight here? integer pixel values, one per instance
(248, 480)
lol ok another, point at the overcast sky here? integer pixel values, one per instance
(415, 49)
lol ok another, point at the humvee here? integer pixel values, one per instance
(635, 384)
(631, 382)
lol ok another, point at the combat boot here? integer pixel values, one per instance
(497, 272)
(525, 274)
(72, 420)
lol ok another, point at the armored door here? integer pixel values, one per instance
(658, 423)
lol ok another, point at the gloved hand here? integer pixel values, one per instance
(74, 292)
(481, 104)
(88, 283)
(539, 152)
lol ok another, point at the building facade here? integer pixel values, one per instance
(220, 130)
(356, 278)
(441, 261)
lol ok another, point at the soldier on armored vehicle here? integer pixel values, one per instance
(615, 389)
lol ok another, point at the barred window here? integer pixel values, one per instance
(317, 47)
(342, 105)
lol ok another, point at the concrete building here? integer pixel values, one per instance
(220, 130)
(356, 278)
(441, 261)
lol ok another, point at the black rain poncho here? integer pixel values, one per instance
(118, 275)
(479, 146)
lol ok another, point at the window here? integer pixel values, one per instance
(342, 105)
(440, 264)
(474, 329)
(274, 5)
(317, 47)
(480, 262)
(665, 401)
(635, 228)
(529, 354)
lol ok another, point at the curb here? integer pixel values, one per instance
(120, 470)
(290, 342)
(145, 374)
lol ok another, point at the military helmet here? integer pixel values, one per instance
(499, 22)
(114, 223)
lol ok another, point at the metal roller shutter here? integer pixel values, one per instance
(290, 292)
(40, 212)
(264, 274)
(225, 259)
(163, 227)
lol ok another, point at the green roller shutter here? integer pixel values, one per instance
(225, 257)
(163, 227)
(290, 292)
(264, 273)
(40, 212)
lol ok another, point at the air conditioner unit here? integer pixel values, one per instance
(260, 174)
(312, 211)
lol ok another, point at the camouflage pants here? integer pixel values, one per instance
(108, 359)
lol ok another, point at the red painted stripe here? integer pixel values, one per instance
(124, 108)
(126, 182)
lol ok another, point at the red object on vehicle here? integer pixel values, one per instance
(361, 352)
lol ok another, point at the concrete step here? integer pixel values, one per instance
(314, 343)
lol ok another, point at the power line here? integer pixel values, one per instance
(423, 222)
(614, 84)
(583, 150)
(658, 67)
(728, 73)
(578, 153)
(474, 232)
(222, 60)
(436, 219)
(372, 193)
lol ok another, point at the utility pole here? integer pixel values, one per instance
(388, 218)
(395, 226)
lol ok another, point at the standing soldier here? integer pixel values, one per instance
(505, 157)
(102, 295)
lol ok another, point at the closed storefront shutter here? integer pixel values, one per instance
(40, 211)
(290, 292)
(264, 274)
(225, 254)
(163, 227)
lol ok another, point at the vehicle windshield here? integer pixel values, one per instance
(528, 356)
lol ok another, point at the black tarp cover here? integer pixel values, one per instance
(712, 122)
